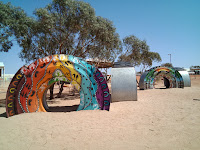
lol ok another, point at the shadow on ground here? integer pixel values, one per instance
(62, 108)
(3, 115)
(54, 109)
(196, 99)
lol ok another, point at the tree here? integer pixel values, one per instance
(148, 59)
(70, 27)
(62, 27)
(137, 52)
(14, 25)
(167, 65)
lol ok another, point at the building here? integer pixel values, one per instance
(2, 70)
(195, 69)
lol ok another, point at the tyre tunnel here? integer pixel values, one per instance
(26, 91)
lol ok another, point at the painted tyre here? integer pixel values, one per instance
(28, 86)
(147, 80)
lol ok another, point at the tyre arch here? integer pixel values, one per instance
(26, 90)
(147, 79)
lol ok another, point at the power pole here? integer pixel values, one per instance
(170, 57)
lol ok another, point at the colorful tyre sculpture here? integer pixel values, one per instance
(27, 89)
(172, 78)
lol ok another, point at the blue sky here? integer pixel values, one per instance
(168, 26)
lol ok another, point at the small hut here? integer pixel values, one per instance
(102, 64)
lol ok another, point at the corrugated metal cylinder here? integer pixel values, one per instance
(186, 78)
(123, 84)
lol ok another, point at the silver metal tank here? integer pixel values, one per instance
(141, 82)
(123, 83)
(186, 78)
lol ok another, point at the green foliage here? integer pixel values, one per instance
(14, 25)
(137, 52)
(167, 65)
(70, 27)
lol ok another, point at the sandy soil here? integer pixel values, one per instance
(161, 119)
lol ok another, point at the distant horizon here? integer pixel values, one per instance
(169, 27)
